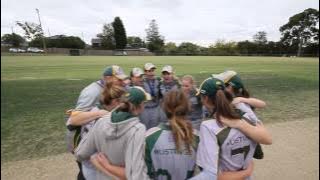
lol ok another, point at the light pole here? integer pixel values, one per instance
(43, 41)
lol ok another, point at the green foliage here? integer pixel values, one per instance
(119, 33)
(31, 30)
(260, 37)
(301, 29)
(155, 41)
(135, 42)
(107, 37)
(15, 39)
(223, 48)
(60, 41)
(187, 48)
(170, 48)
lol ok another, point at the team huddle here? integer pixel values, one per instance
(146, 127)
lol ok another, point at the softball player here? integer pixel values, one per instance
(150, 117)
(223, 148)
(122, 131)
(168, 82)
(170, 149)
(242, 100)
(136, 77)
(189, 88)
(88, 99)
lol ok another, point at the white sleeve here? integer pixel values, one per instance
(249, 114)
(87, 99)
(208, 150)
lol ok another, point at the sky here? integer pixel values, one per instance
(202, 22)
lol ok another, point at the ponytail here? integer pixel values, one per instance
(176, 107)
(223, 106)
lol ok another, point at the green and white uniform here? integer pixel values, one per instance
(231, 153)
(162, 159)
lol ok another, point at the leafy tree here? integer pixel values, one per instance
(60, 42)
(119, 33)
(31, 30)
(260, 37)
(187, 48)
(107, 37)
(135, 42)
(14, 39)
(221, 47)
(247, 47)
(170, 48)
(155, 41)
(301, 29)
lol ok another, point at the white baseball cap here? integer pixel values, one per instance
(136, 72)
(167, 68)
(225, 76)
(149, 66)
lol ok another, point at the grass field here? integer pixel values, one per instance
(35, 91)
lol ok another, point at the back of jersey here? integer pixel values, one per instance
(162, 158)
(236, 151)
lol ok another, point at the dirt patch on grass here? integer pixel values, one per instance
(294, 155)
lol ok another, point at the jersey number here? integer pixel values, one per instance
(243, 150)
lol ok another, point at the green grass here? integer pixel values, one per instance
(35, 91)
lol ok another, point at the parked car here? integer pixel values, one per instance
(13, 50)
(144, 49)
(21, 50)
(35, 50)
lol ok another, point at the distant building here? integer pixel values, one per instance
(4, 44)
(96, 42)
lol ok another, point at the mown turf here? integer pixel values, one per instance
(35, 91)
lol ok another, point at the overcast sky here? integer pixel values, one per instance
(198, 21)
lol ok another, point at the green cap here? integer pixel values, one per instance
(230, 77)
(210, 86)
(137, 95)
(116, 71)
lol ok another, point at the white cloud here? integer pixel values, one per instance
(202, 22)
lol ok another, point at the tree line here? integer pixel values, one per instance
(299, 36)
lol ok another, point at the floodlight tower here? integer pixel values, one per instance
(43, 41)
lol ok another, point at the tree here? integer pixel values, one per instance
(107, 37)
(135, 42)
(260, 37)
(31, 30)
(155, 41)
(301, 29)
(170, 48)
(60, 41)
(187, 48)
(223, 48)
(119, 33)
(14, 39)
